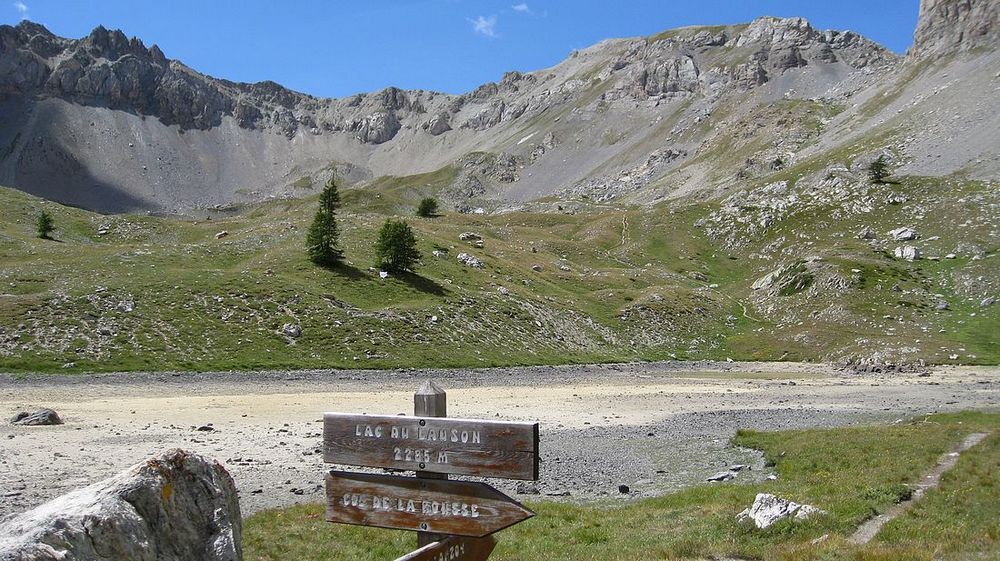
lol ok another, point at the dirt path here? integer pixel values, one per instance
(931, 479)
(655, 427)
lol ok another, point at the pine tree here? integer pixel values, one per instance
(321, 242)
(878, 171)
(396, 248)
(44, 225)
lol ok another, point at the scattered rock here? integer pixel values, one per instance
(470, 261)
(941, 305)
(903, 234)
(172, 508)
(37, 418)
(623, 489)
(722, 476)
(526, 488)
(470, 236)
(907, 252)
(292, 330)
(536, 268)
(768, 509)
(987, 302)
(221, 235)
(867, 233)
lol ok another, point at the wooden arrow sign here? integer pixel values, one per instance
(455, 548)
(433, 444)
(440, 506)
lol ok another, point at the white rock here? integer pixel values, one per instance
(907, 252)
(903, 234)
(768, 509)
(176, 507)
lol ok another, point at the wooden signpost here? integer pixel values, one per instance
(454, 519)
(454, 548)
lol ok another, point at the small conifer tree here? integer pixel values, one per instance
(396, 248)
(878, 171)
(427, 208)
(44, 225)
(321, 241)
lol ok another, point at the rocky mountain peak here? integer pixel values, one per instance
(947, 26)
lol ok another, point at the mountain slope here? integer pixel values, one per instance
(108, 124)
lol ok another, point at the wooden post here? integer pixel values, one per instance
(430, 401)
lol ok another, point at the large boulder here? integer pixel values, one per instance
(177, 507)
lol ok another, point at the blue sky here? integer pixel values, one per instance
(338, 48)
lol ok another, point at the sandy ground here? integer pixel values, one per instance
(653, 427)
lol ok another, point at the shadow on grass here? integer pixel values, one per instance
(423, 284)
(345, 270)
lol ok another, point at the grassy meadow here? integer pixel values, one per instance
(851, 473)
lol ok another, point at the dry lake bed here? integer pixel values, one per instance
(654, 427)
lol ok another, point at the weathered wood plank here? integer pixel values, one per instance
(459, 508)
(430, 401)
(441, 445)
(454, 548)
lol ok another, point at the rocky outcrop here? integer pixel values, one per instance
(667, 76)
(947, 26)
(786, 43)
(487, 117)
(177, 507)
(376, 128)
(438, 124)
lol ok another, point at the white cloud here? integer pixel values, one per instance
(485, 25)
(521, 8)
(21, 8)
